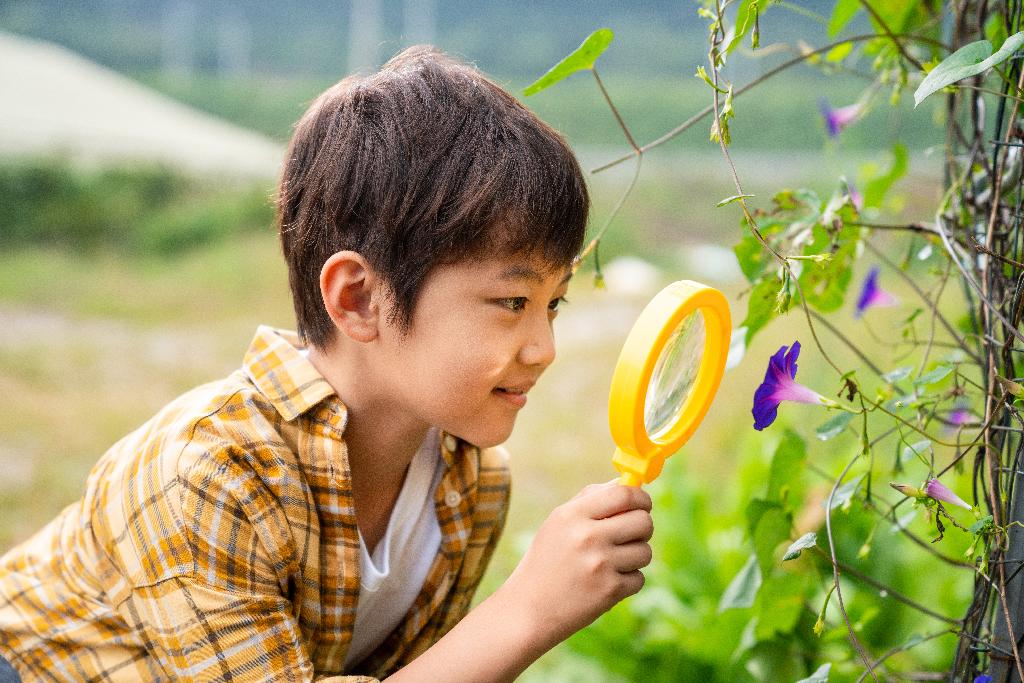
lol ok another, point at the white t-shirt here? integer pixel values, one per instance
(393, 576)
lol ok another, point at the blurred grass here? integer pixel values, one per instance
(93, 341)
(138, 209)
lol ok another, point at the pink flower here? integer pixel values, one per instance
(837, 119)
(938, 491)
(856, 198)
(779, 386)
(871, 294)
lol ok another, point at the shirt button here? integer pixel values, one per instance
(452, 499)
(450, 443)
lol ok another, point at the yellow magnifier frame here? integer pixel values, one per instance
(639, 457)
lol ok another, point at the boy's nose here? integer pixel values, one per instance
(539, 348)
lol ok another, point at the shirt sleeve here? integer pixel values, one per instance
(213, 610)
(198, 632)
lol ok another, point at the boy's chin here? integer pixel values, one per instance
(485, 438)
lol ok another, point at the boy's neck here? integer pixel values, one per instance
(380, 437)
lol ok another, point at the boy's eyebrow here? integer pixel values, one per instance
(521, 272)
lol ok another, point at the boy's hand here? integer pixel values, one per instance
(585, 557)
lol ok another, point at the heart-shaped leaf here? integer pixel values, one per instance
(970, 60)
(580, 59)
(808, 540)
(743, 588)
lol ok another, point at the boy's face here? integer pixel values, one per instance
(480, 337)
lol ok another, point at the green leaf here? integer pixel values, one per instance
(834, 426)
(808, 540)
(702, 74)
(787, 465)
(734, 198)
(898, 374)
(825, 286)
(970, 60)
(995, 29)
(581, 59)
(756, 509)
(761, 306)
(844, 493)
(980, 524)
(841, 15)
(742, 590)
(781, 600)
(938, 374)
(751, 257)
(913, 641)
(904, 521)
(1010, 386)
(819, 676)
(748, 10)
(877, 187)
(720, 128)
(839, 53)
(916, 450)
(773, 529)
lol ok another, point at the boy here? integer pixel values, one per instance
(327, 511)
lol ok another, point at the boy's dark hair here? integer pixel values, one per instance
(426, 162)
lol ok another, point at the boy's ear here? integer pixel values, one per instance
(349, 288)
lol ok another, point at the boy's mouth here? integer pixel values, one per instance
(515, 394)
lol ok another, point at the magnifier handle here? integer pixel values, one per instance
(630, 479)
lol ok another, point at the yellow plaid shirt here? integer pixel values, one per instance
(218, 542)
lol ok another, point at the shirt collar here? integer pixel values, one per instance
(283, 374)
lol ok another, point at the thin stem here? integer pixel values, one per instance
(903, 648)
(925, 298)
(895, 595)
(850, 345)
(888, 32)
(615, 112)
(969, 279)
(688, 123)
(618, 207)
(835, 569)
(911, 227)
(987, 90)
(1001, 589)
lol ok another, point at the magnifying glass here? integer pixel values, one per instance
(666, 378)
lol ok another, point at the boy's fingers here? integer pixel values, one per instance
(590, 488)
(606, 500)
(631, 556)
(634, 525)
(632, 582)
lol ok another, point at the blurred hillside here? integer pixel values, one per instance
(57, 102)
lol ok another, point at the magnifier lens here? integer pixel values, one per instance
(674, 375)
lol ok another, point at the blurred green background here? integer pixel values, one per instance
(126, 279)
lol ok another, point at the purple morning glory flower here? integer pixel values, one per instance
(837, 119)
(779, 386)
(872, 295)
(960, 417)
(983, 678)
(939, 491)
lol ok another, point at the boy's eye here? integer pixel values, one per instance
(555, 303)
(514, 303)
